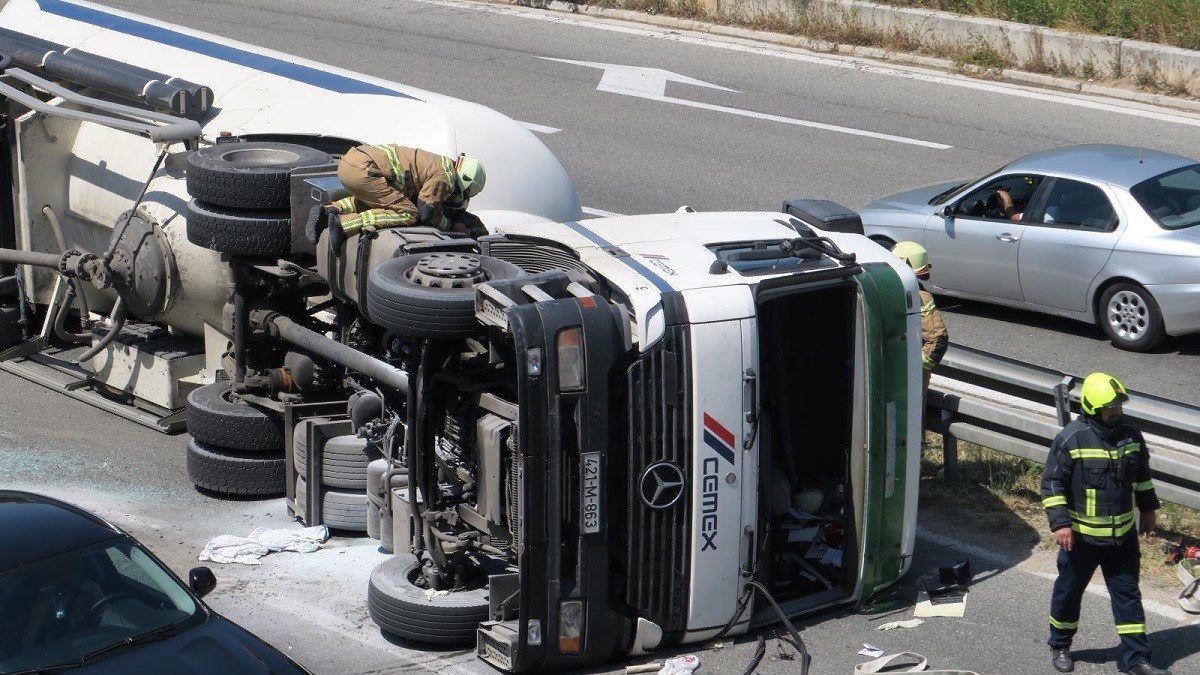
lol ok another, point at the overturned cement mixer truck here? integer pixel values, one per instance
(598, 437)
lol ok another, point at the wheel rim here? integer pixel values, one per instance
(447, 270)
(1128, 316)
(253, 157)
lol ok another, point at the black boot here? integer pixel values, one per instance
(1146, 668)
(1062, 661)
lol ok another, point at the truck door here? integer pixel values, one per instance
(889, 355)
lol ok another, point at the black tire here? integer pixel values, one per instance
(1130, 317)
(402, 608)
(395, 301)
(254, 175)
(234, 473)
(339, 510)
(214, 419)
(239, 231)
(343, 462)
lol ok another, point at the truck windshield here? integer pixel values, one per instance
(771, 257)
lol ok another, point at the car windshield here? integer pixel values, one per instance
(62, 609)
(1172, 199)
(955, 190)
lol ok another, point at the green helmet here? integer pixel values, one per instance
(912, 253)
(470, 175)
(1101, 390)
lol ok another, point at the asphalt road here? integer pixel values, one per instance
(632, 154)
(747, 146)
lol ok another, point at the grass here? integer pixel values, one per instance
(1168, 22)
(1171, 22)
(1001, 495)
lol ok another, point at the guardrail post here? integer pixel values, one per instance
(1062, 400)
(949, 450)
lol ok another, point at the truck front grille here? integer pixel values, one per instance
(659, 431)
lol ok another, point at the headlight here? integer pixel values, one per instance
(569, 344)
(570, 627)
(533, 632)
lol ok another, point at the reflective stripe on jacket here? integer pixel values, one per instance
(1092, 478)
(418, 175)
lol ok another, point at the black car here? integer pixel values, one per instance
(77, 591)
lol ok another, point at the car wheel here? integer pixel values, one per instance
(213, 417)
(239, 231)
(432, 295)
(232, 472)
(339, 510)
(1131, 318)
(402, 608)
(254, 175)
(344, 461)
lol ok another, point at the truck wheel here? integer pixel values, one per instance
(10, 326)
(402, 608)
(339, 510)
(214, 418)
(235, 473)
(239, 231)
(432, 295)
(254, 175)
(344, 461)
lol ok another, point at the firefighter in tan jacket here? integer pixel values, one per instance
(934, 336)
(396, 186)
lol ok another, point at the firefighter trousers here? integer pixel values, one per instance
(376, 202)
(1120, 565)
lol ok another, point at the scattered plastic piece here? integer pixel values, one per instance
(680, 665)
(870, 650)
(910, 623)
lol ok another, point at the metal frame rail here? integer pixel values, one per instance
(1017, 408)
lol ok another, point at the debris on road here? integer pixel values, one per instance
(870, 650)
(680, 665)
(228, 548)
(910, 623)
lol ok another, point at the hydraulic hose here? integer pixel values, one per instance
(116, 320)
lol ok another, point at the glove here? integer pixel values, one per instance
(318, 219)
(425, 212)
(468, 223)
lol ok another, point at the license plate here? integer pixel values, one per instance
(589, 514)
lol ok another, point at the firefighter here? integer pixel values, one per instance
(396, 186)
(1097, 469)
(934, 336)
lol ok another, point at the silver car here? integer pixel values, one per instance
(1107, 234)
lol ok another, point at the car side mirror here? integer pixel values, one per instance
(948, 211)
(201, 580)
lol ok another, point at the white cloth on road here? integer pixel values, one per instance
(228, 548)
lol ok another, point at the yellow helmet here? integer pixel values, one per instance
(912, 253)
(470, 175)
(1101, 390)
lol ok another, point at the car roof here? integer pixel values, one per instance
(1120, 165)
(35, 527)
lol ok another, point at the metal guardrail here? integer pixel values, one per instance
(1018, 409)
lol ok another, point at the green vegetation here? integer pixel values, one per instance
(1001, 495)
(1169, 22)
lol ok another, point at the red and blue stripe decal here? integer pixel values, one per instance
(718, 438)
(659, 283)
(335, 82)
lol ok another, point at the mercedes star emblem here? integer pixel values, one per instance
(661, 485)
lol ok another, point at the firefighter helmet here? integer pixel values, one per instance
(1101, 390)
(912, 253)
(470, 175)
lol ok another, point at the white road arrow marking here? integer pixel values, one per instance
(651, 84)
